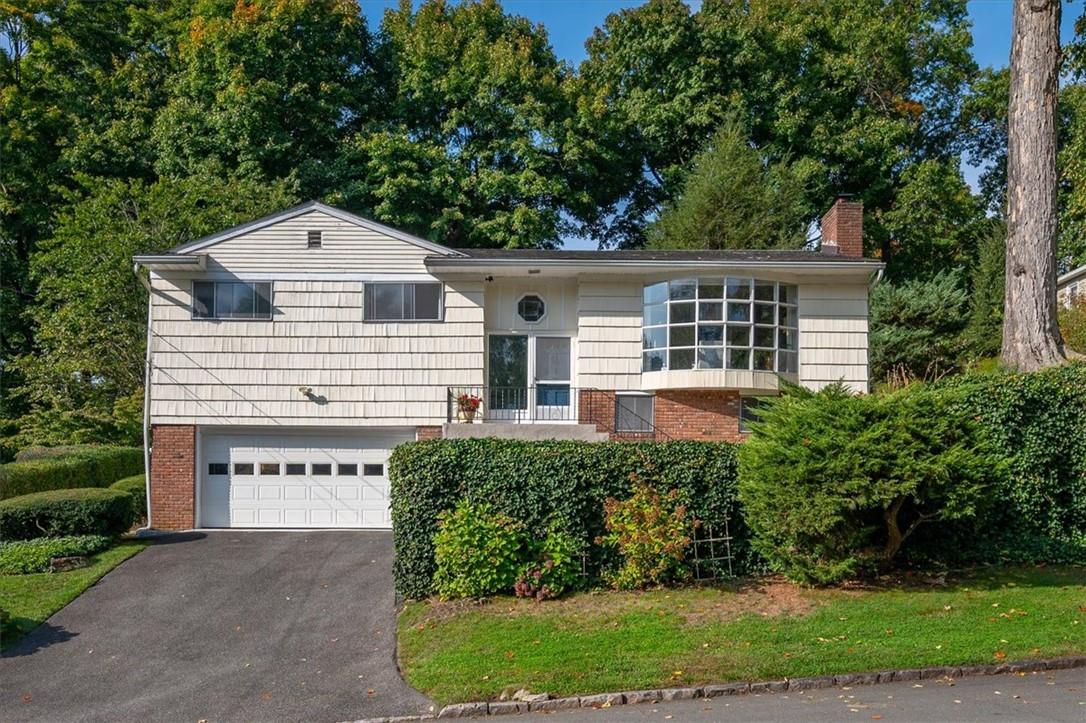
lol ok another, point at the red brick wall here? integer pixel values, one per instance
(843, 228)
(173, 476)
(596, 406)
(422, 433)
(704, 414)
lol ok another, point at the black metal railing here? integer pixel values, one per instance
(543, 403)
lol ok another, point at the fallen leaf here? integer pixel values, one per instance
(999, 655)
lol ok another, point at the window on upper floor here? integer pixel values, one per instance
(231, 300)
(720, 323)
(417, 301)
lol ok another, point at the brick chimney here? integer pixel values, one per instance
(843, 228)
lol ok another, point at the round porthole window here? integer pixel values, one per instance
(531, 308)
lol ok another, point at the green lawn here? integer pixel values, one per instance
(31, 599)
(608, 641)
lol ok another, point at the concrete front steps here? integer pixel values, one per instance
(512, 430)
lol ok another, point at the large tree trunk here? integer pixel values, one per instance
(1031, 336)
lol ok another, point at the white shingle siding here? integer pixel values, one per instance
(609, 335)
(248, 372)
(833, 335)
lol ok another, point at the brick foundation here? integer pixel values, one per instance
(173, 477)
(704, 414)
(422, 433)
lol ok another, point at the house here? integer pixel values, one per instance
(289, 355)
(1071, 286)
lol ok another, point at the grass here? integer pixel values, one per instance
(608, 641)
(31, 599)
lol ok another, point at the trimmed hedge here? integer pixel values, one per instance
(57, 513)
(540, 482)
(40, 469)
(23, 557)
(136, 486)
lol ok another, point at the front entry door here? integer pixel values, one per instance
(529, 378)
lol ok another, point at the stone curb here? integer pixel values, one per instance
(609, 700)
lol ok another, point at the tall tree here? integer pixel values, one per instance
(472, 152)
(1031, 334)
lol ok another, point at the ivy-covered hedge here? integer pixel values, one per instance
(540, 482)
(66, 512)
(41, 469)
(1037, 422)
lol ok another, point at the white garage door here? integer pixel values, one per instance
(296, 479)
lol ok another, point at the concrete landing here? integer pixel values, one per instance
(512, 430)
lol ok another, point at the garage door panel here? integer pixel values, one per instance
(296, 479)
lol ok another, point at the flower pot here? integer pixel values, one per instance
(468, 415)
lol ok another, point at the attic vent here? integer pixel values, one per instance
(313, 240)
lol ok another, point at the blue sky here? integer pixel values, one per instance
(570, 22)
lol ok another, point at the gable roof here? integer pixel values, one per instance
(305, 208)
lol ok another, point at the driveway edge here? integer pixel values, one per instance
(608, 700)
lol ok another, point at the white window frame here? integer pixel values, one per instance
(543, 299)
(724, 347)
(651, 421)
(215, 283)
(440, 302)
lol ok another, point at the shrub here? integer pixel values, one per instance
(40, 470)
(555, 567)
(89, 511)
(26, 556)
(478, 552)
(1073, 325)
(833, 483)
(136, 487)
(536, 482)
(652, 533)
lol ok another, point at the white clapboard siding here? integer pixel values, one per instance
(361, 373)
(344, 247)
(833, 336)
(559, 298)
(609, 335)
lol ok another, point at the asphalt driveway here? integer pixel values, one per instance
(222, 626)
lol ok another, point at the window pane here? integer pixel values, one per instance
(738, 288)
(656, 293)
(373, 470)
(269, 468)
(508, 362)
(710, 289)
(654, 338)
(552, 395)
(763, 360)
(531, 309)
(218, 468)
(655, 315)
(244, 301)
(224, 301)
(738, 335)
(682, 313)
(788, 316)
(710, 311)
(427, 301)
(654, 361)
(765, 314)
(738, 312)
(347, 470)
(681, 359)
(787, 362)
(243, 468)
(786, 339)
(322, 469)
(682, 290)
(682, 336)
(748, 412)
(633, 413)
(788, 294)
(552, 358)
(738, 358)
(384, 301)
(765, 290)
(710, 334)
(763, 336)
(296, 468)
(263, 299)
(710, 358)
(203, 300)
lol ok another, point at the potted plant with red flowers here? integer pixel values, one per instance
(468, 404)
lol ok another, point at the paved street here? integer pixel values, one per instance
(1054, 696)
